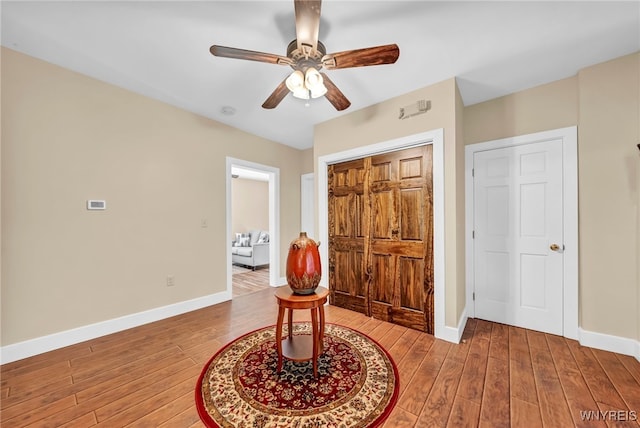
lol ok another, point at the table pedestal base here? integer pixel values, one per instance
(301, 347)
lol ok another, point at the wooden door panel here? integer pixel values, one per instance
(348, 272)
(353, 303)
(397, 248)
(341, 270)
(411, 168)
(404, 163)
(348, 174)
(381, 239)
(382, 215)
(381, 171)
(382, 274)
(389, 304)
(347, 206)
(402, 295)
(343, 220)
(349, 289)
(411, 273)
(411, 214)
(398, 292)
(404, 317)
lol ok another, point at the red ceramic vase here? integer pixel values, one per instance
(303, 265)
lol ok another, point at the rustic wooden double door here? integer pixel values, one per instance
(381, 236)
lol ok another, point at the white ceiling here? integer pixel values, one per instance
(161, 49)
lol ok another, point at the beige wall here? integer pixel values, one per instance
(307, 161)
(67, 138)
(603, 102)
(545, 107)
(608, 131)
(249, 205)
(380, 123)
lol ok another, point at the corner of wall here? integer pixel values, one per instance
(306, 161)
(460, 207)
(454, 334)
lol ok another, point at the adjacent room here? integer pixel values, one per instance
(250, 223)
(306, 213)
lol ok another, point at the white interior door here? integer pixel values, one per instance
(518, 236)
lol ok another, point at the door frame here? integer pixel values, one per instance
(274, 217)
(569, 138)
(434, 137)
(307, 204)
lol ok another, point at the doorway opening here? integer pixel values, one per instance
(252, 170)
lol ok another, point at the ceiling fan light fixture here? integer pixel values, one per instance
(295, 81)
(312, 78)
(314, 82)
(318, 91)
(302, 93)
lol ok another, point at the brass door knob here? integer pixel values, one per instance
(554, 247)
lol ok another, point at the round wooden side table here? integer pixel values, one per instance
(302, 347)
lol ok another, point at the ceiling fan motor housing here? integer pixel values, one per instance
(306, 57)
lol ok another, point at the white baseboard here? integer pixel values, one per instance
(606, 342)
(453, 334)
(28, 348)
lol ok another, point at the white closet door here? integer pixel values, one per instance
(518, 244)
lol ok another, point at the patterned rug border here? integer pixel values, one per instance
(206, 418)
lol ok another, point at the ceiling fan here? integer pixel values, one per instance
(307, 56)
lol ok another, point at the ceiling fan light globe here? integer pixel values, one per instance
(295, 81)
(313, 79)
(301, 93)
(318, 91)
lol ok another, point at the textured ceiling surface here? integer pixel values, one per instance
(161, 49)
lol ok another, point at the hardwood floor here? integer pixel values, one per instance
(498, 376)
(249, 281)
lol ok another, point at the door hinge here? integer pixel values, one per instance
(473, 234)
(473, 296)
(473, 172)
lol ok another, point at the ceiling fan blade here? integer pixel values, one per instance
(276, 96)
(334, 95)
(226, 52)
(386, 54)
(307, 23)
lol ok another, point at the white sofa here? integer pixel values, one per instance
(251, 249)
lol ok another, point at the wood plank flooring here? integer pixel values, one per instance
(249, 281)
(499, 376)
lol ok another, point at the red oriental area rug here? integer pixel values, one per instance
(357, 384)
